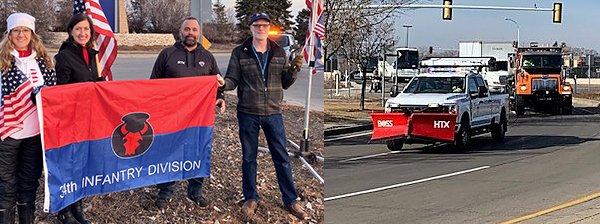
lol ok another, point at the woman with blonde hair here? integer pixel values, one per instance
(24, 67)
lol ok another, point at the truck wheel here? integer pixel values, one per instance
(520, 105)
(499, 130)
(463, 137)
(394, 144)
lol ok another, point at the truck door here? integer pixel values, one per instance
(485, 108)
(476, 118)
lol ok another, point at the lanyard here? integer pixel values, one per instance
(262, 67)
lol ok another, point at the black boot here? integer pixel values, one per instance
(66, 217)
(26, 211)
(77, 210)
(7, 216)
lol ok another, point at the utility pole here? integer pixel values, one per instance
(407, 27)
(589, 72)
(518, 32)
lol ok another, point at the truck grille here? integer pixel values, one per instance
(544, 84)
(503, 79)
(420, 109)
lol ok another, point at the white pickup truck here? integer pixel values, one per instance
(442, 107)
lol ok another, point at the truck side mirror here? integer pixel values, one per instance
(482, 91)
(473, 95)
(394, 91)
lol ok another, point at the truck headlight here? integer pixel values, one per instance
(388, 106)
(523, 87)
(452, 108)
(566, 88)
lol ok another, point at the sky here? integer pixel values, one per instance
(580, 25)
(297, 5)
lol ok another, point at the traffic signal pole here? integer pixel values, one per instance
(447, 9)
(458, 7)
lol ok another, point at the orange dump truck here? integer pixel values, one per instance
(540, 81)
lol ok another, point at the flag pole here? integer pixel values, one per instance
(97, 62)
(304, 143)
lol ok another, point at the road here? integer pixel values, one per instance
(546, 160)
(139, 66)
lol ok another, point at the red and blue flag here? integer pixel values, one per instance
(106, 137)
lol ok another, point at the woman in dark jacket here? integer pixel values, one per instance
(76, 62)
(76, 59)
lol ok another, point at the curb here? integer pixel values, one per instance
(348, 129)
(586, 102)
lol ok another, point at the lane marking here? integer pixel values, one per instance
(370, 156)
(406, 183)
(345, 137)
(553, 209)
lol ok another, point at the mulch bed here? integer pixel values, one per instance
(224, 187)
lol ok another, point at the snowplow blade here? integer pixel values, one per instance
(389, 125)
(431, 126)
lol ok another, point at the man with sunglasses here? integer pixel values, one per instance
(258, 69)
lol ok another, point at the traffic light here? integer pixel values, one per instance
(557, 13)
(447, 11)
(430, 49)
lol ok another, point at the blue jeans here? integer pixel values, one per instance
(274, 131)
(194, 188)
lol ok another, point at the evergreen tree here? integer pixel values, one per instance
(220, 29)
(302, 25)
(218, 15)
(278, 10)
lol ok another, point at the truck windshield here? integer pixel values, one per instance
(436, 85)
(281, 40)
(542, 64)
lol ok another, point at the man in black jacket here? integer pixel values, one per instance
(186, 58)
(259, 70)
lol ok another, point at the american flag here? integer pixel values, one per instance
(319, 30)
(105, 39)
(320, 27)
(16, 104)
(319, 6)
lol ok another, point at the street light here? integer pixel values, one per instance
(407, 27)
(518, 38)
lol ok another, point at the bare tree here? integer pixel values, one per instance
(5, 10)
(231, 20)
(64, 12)
(370, 42)
(157, 16)
(42, 10)
(358, 32)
